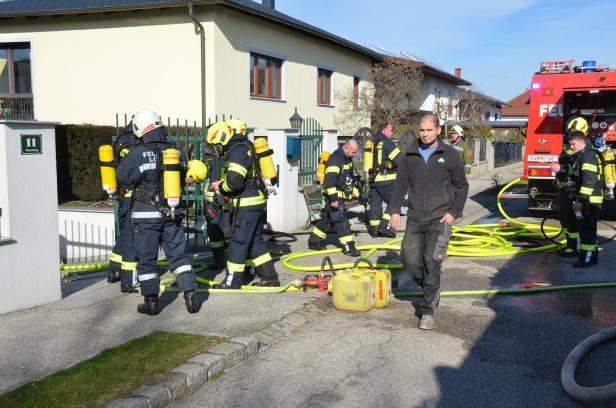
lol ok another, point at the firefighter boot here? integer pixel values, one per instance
(220, 260)
(267, 275)
(570, 249)
(584, 260)
(315, 243)
(384, 230)
(374, 233)
(113, 273)
(149, 305)
(350, 250)
(594, 258)
(233, 280)
(190, 298)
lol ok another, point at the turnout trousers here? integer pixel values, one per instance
(149, 237)
(247, 241)
(332, 220)
(379, 194)
(568, 221)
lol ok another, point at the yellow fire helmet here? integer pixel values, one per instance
(219, 133)
(197, 170)
(238, 126)
(580, 124)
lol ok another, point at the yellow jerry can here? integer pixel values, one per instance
(354, 289)
(382, 283)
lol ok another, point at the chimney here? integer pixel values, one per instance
(458, 70)
(271, 4)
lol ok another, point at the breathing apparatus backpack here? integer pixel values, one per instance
(254, 179)
(170, 184)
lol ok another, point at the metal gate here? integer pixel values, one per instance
(311, 145)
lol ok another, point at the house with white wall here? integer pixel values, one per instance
(82, 62)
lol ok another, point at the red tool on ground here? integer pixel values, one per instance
(320, 281)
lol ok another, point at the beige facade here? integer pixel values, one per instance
(86, 69)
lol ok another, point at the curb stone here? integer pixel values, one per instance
(196, 372)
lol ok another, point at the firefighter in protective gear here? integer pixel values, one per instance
(244, 188)
(154, 222)
(337, 189)
(588, 174)
(122, 264)
(566, 187)
(216, 215)
(383, 174)
(456, 135)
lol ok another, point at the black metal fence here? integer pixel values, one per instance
(507, 152)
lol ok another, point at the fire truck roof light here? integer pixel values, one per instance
(536, 85)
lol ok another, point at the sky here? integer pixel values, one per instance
(498, 44)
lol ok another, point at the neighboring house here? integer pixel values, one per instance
(518, 108)
(439, 89)
(475, 106)
(78, 61)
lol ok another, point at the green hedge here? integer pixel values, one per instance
(77, 161)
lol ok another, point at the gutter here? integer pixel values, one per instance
(200, 31)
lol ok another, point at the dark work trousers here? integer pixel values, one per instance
(217, 241)
(566, 217)
(149, 237)
(247, 239)
(332, 219)
(379, 193)
(417, 252)
(588, 227)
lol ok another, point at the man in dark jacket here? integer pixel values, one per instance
(337, 190)
(155, 222)
(432, 174)
(386, 159)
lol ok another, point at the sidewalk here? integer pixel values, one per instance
(39, 341)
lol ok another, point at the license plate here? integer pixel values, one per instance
(543, 158)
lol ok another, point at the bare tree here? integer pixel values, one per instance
(471, 105)
(391, 94)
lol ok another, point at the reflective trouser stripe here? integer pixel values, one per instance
(596, 199)
(147, 276)
(385, 177)
(129, 266)
(181, 269)
(319, 233)
(572, 235)
(260, 260)
(386, 216)
(586, 190)
(588, 247)
(115, 257)
(375, 223)
(217, 244)
(232, 268)
(346, 239)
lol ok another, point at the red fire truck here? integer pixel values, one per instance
(560, 91)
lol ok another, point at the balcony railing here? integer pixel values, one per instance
(16, 108)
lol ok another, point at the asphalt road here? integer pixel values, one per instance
(485, 351)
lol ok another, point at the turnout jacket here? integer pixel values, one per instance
(434, 188)
(338, 176)
(386, 159)
(123, 144)
(465, 154)
(588, 172)
(242, 181)
(141, 171)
